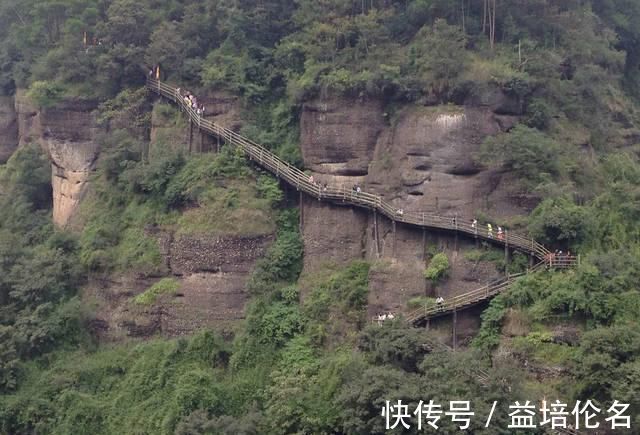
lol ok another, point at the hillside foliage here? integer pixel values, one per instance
(307, 359)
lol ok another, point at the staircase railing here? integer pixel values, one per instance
(301, 181)
(478, 295)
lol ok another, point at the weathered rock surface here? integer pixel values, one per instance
(69, 134)
(224, 109)
(28, 119)
(331, 234)
(213, 273)
(202, 253)
(424, 161)
(8, 128)
(205, 300)
(339, 135)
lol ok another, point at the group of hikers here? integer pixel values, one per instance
(191, 101)
(558, 256)
(381, 317)
(324, 186)
(474, 225)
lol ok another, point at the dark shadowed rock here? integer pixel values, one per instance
(8, 128)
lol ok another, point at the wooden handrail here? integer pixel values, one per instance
(297, 178)
(300, 180)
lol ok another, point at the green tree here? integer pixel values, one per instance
(438, 268)
(440, 56)
(528, 153)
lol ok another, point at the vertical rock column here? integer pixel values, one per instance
(337, 138)
(69, 135)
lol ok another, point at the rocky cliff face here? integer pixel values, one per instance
(28, 119)
(420, 159)
(212, 273)
(339, 136)
(69, 132)
(8, 128)
(66, 132)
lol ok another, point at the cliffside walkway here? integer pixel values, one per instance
(342, 195)
(473, 297)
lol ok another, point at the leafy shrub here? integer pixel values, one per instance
(528, 153)
(45, 93)
(489, 336)
(345, 289)
(421, 302)
(268, 188)
(538, 114)
(558, 220)
(438, 268)
(283, 261)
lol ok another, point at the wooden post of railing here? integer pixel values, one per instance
(393, 225)
(375, 232)
(301, 202)
(506, 251)
(190, 133)
(455, 322)
(455, 226)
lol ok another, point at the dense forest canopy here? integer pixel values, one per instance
(315, 366)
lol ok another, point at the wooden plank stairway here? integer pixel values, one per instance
(342, 195)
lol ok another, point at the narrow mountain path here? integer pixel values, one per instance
(295, 177)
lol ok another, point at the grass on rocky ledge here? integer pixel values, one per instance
(166, 286)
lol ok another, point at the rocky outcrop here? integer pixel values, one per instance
(8, 128)
(69, 135)
(338, 136)
(28, 118)
(212, 272)
(331, 234)
(423, 161)
(67, 132)
(202, 253)
(224, 109)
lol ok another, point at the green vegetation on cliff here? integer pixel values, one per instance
(304, 360)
